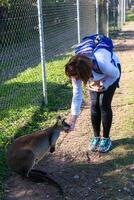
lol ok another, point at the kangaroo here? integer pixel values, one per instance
(26, 151)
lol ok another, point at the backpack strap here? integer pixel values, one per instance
(90, 44)
(96, 67)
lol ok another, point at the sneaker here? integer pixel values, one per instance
(94, 144)
(105, 145)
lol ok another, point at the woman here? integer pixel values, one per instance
(102, 84)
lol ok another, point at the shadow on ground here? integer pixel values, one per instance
(79, 180)
(123, 46)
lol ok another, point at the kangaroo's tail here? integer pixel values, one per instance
(41, 176)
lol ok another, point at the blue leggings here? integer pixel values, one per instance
(101, 110)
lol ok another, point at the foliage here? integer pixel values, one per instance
(4, 3)
(130, 17)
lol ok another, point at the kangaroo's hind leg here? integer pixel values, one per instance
(22, 162)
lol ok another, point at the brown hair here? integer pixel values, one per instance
(79, 66)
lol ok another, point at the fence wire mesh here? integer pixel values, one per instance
(60, 27)
(87, 17)
(19, 38)
(20, 86)
(20, 72)
(113, 16)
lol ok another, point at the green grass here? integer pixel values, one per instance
(22, 110)
(130, 16)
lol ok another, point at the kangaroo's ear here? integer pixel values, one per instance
(59, 121)
(58, 117)
(63, 120)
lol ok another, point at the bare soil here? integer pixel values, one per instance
(102, 176)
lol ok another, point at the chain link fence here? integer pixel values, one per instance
(19, 38)
(64, 23)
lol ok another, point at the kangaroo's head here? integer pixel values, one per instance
(60, 125)
(64, 126)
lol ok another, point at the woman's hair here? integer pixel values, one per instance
(80, 67)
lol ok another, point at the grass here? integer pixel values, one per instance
(22, 110)
(130, 15)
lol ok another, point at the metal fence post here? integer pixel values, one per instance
(97, 17)
(124, 19)
(119, 16)
(107, 7)
(114, 14)
(122, 10)
(42, 49)
(78, 20)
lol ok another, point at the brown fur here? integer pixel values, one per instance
(28, 150)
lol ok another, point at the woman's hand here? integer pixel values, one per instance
(96, 86)
(97, 89)
(72, 122)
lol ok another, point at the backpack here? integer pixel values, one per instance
(92, 43)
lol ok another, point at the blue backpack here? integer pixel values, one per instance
(92, 43)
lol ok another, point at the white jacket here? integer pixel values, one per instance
(110, 73)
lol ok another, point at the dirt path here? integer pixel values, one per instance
(104, 177)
